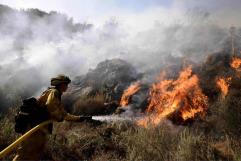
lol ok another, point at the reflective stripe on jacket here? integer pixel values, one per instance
(51, 98)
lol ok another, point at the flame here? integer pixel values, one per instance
(236, 63)
(223, 84)
(168, 96)
(132, 89)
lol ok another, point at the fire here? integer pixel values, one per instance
(182, 95)
(132, 89)
(236, 63)
(223, 84)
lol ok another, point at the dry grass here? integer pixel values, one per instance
(225, 115)
(162, 144)
(90, 105)
(126, 141)
(195, 147)
(7, 133)
(81, 141)
(149, 144)
(232, 112)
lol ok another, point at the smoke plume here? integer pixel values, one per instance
(35, 45)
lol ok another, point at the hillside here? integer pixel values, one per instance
(170, 108)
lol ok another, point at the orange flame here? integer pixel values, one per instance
(223, 84)
(168, 96)
(236, 63)
(132, 89)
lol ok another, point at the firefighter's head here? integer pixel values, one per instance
(60, 82)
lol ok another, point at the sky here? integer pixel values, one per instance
(98, 11)
(89, 10)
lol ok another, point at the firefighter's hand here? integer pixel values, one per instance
(84, 118)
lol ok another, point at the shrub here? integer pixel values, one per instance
(7, 133)
(150, 144)
(193, 147)
(81, 141)
(90, 105)
(232, 113)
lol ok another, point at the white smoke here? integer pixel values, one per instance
(32, 50)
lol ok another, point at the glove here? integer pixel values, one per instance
(84, 118)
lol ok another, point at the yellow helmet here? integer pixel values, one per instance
(60, 79)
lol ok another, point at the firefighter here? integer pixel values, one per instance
(33, 147)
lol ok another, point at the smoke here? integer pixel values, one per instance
(35, 45)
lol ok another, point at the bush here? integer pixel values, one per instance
(127, 141)
(81, 141)
(90, 105)
(232, 113)
(150, 144)
(193, 147)
(7, 133)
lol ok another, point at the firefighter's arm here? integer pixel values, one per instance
(57, 111)
(68, 116)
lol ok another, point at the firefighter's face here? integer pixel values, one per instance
(63, 87)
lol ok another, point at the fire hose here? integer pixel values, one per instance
(10, 148)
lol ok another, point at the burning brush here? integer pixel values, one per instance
(223, 84)
(236, 63)
(179, 100)
(131, 90)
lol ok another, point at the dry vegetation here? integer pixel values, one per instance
(7, 133)
(211, 139)
(92, 105)
(216, 137)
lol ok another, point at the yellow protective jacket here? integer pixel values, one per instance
(51, 98)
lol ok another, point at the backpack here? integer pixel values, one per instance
(30, 114)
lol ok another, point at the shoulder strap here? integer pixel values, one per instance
(44, 96)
